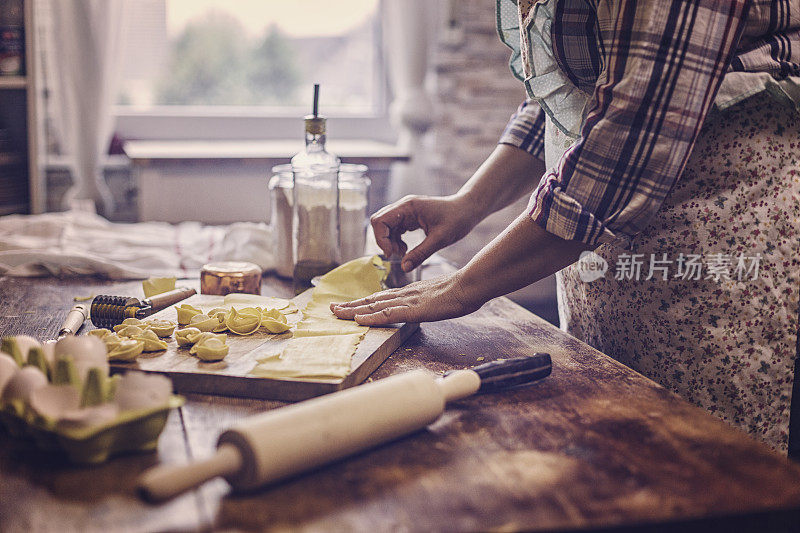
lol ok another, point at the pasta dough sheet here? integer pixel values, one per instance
(323, 345)
(318, 357)
(313, 326)
(355, 279)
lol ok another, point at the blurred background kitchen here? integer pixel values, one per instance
(176, 110)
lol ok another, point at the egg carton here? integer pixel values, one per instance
(133, 430)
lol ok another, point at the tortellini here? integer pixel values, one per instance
(133, 327)
(241, 321)
(186, 312)
(134, 336)
(128, 330)
(100, 332)
(210, 348)
(220, 314)
(202, 331)
(274, 321)
(207, 346)
(245, 321)
(151, 341)
(186, 336)
(162, 328)
(118, 348)
(125, 350)
(112, 340)
(204, 322)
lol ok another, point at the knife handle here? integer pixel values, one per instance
(506, 373)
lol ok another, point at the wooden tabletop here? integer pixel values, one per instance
(594, 446)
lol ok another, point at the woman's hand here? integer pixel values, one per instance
(424, 301)
(506, 175)
(522, 254)
(444, 220)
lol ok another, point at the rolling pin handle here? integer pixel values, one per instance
(75, 319)
(458, 384)
(162, 483)
(506, 373)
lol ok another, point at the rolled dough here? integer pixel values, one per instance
(323, 345)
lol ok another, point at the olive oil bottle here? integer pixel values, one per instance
(315, 210)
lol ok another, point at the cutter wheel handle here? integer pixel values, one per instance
(108, 311)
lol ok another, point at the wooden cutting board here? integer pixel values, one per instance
(231, 376)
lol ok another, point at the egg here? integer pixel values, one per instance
(25, 343)
(49, 349)
(87, 351)
(23, 383)
(8, 367)
(136, 390)
(52, 401)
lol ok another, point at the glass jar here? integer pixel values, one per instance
(353, 210)
(280, 198)
(353, 213)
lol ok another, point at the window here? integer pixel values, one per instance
(205, 69)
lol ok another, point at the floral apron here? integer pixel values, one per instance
(717, 320)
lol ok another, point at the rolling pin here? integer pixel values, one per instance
(74, 320)
(289, 440)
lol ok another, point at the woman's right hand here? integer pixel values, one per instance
(444, 220)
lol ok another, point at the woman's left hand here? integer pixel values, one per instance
(424, 301)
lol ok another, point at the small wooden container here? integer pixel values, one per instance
(225, 277)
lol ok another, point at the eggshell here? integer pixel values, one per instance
(23, 383)
(8, 367)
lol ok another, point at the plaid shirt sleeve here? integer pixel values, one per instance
(663, 64)
(525, 129)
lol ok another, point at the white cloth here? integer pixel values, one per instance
(81, 243)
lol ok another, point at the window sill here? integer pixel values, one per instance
(219, 182)
(145, 152)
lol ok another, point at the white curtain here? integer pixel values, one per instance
(83, 68)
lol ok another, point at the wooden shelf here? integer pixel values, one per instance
(13, 82)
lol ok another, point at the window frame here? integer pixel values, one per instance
(176, 122)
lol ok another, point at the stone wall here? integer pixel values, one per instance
(475, 91)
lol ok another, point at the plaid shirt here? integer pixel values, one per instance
(653, 68)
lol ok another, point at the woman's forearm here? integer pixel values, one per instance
(523, 254)
(507, 174)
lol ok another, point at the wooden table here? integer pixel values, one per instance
(594, 446)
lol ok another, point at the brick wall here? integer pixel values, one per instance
(475, 91)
